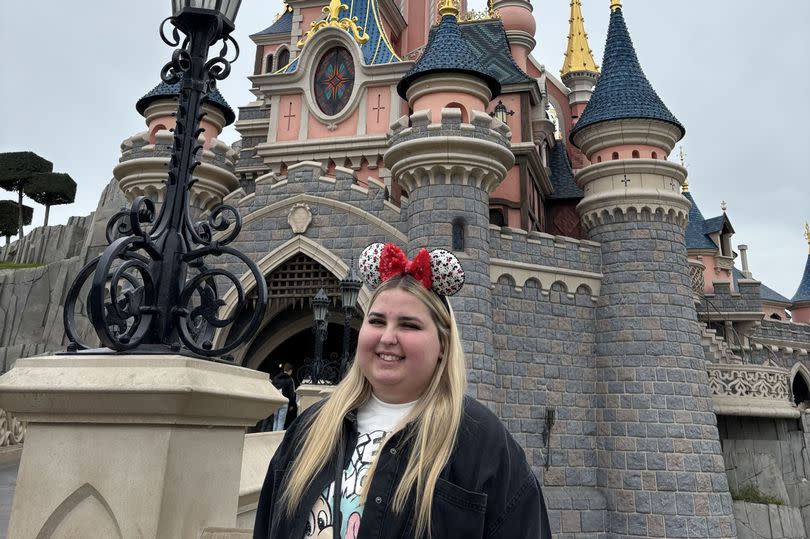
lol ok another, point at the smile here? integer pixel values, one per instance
(390, 357)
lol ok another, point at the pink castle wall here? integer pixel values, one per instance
(511, 102)
(625, 151)
(289, 126)
(378, 108)
(168, 122)
(439, 100)
(801, 315)
(710, 276)
(346, 128)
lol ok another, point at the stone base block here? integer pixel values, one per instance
(130, 446)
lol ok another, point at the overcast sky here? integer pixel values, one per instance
(734, 72)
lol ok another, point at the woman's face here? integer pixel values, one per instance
(398, 347)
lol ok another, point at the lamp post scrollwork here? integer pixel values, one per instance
(152, 288)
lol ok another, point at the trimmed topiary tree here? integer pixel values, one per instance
(49, 189)
(9, 218)
(16, 169)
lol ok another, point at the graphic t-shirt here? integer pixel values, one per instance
(375, 419)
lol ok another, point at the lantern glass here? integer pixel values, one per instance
(350, 289)
(320, 305)
(227, 8)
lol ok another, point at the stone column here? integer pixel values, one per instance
(658, 454)
(448, 170)
(130, 446)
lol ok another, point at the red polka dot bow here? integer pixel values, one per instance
(437, 270)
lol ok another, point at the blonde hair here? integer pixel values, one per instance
(435, 418)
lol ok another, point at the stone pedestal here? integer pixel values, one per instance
(309, 394)
(130, 446)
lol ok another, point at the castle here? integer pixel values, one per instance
(603, 317)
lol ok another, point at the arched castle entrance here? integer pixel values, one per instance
(286, 334)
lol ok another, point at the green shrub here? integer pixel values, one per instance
(751, 493)
(12, 265)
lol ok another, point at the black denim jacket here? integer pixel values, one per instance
(487, 490)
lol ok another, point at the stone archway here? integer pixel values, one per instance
(286, 333)
(800, 384)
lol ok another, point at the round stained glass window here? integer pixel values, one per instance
(334, 80)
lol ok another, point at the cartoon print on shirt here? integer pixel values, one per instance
(319, 521)
(354, 477)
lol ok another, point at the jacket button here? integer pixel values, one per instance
(393, 451)
(378, 499)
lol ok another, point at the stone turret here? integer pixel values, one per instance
(659, 458)
(448, 156)
(145, 156)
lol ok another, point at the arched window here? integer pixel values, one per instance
(283, 57)
(268, 64)
(615, 156)
(496, 217)
(334, 80)
(801, 392)
(458, 235)
(655, 155)
(464, 115)
(775, 316)
(598, 158)
(636, 155)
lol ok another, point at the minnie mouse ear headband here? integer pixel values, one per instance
(437, 270)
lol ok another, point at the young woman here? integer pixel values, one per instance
(398, 450)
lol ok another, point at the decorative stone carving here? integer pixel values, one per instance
(750, 381)
(299, 218)
(751, 390)
(12, 431)
(696, 270)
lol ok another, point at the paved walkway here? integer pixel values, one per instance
(8, 480)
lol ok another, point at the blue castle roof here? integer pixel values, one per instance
(283, 25)
(696, 235)
(377, 50)
(765, 293)
(163, 90)
(803, 293)
(562, 176)
(447, 51)
(623, 90)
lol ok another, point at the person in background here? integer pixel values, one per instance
(398, 450)
(284, 382)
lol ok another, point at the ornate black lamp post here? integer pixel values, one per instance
(151, 288)
(319, 370)
(349, 291)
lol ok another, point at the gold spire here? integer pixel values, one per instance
(615, 4)
(807, 236)
(578, 55)
(448, 7)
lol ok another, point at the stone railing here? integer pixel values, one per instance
(751, 390)
(696, 270)
(12, 431)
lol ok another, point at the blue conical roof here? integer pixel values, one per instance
(163, 90)
(803, 293)
(448, 52)
(696, 237)
(623, 90)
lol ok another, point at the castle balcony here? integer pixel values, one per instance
(752, 390)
